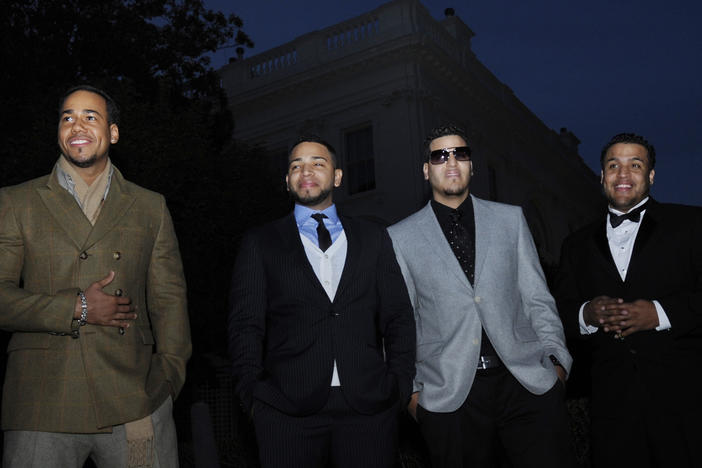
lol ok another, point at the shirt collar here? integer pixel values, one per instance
(465, 208)
(303, 213)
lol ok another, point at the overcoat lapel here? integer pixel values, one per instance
(65, 211)
(431, 230)
(70, 217)
(117, 203)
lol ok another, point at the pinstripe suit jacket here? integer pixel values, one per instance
(48, 251)
(285, 333)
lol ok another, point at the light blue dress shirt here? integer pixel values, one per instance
(308, 225)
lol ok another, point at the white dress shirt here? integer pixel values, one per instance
(328, 267)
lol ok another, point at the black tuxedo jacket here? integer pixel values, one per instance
(285, 333)
(666, 265)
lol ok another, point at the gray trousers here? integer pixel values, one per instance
(34, 449)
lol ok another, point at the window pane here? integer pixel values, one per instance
(360, 160)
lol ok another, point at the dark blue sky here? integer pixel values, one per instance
(598, 67)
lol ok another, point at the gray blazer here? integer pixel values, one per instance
(510, 298)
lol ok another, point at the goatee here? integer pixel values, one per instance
(309, 200)
(82, 164)
(453, 191)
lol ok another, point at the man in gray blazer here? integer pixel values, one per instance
(490, 345)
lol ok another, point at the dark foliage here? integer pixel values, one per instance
(175, 131)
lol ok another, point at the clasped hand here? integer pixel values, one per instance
(619, 317)
(105, 309)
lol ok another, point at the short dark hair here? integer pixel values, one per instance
(110, 104)
(314, 139)
(630, 138)
(442, 131)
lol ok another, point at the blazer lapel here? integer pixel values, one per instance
(431, 230)
(483, 233)
(602, 249)
(65, 210)
(291, 242)
(648, 226)
(118, 201)
(353, 252)
(643, 237)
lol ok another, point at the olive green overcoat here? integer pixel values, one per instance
(65, 378)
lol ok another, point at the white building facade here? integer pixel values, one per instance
(373, 86)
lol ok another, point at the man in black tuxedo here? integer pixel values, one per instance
(631, 285)
(321, 330)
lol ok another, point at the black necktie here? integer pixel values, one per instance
(633, 215)
(323, 236)
(460, 244)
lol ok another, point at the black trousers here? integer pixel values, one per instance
(637, 429)
(500, 424)
(336, 436)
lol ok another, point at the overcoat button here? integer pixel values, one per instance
(116, 255)
(83, 255)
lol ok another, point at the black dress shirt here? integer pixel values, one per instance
(444, 215)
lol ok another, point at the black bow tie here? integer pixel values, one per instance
(633, 215)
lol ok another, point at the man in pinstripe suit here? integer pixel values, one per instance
(92, 289)
(321, 330)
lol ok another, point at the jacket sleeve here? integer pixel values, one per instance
(20, 309)
(247, 316)
(538, 302)
(683, 304)
(569, 299)
(412, 291)
(167, 304)
(397, 319)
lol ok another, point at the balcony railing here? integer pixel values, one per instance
(270, 63)
(391, 21)
(339, 37)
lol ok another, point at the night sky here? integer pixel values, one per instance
(598, 67)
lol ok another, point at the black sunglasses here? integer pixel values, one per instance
(440, 156)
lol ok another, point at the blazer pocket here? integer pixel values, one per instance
(427, 350)
(30, 341)
(526, 334)
(146, 336)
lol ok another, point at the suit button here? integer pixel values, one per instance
(632, 351)
(334, 314)
(116, 255)
(83, 255)
(477, 299)
(118, 292)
